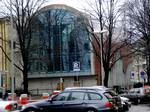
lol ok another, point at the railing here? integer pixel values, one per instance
(38, 92)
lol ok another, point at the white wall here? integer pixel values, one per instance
(118, 77)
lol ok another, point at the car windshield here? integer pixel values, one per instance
(113, 93)
(61, 97)
(108, 95)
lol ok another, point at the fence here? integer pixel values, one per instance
(38, 92)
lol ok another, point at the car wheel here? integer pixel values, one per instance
(137, 101)
(91, 110)
(32, 110)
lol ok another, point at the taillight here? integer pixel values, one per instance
(108, 104)
(9, 107)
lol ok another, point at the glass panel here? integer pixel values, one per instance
(59, 38)
(61, 97)
(94, 96)
(77, 96)
(108, 95)
(86, 97)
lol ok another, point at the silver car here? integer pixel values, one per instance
(8, 106)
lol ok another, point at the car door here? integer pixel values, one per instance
(97, 101)
(75, 102)
(56, 104)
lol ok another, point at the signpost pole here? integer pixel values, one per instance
(76, 68)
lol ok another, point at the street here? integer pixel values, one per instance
(140, 108)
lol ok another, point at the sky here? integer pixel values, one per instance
(78, 4)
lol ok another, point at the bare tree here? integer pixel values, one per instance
(138, 15)
(23, 11)
(106, 14)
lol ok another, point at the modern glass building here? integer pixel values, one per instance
(60, 44)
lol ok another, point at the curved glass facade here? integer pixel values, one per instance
(59, 39)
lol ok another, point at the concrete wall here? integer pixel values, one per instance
(118, 77)
(38, 86)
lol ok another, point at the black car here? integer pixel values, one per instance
(138, 95)
(118, 103)
(73, 101)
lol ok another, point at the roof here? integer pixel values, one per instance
(95, 88)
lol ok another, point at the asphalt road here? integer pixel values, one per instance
(140, 108)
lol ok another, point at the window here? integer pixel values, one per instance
(60, 42)
(77, 96)
(108, 95)
(61, 97)
(95, 96)
(86, 97)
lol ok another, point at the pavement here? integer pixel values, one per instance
(140, 108)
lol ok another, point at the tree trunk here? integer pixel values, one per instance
(106, 78)
(148, 62)
(25, 80)
(148, 70)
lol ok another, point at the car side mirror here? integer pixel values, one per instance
(50, 100)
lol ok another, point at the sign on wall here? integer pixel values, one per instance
(76, 66)
(142, 75)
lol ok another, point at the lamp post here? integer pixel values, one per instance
(12, 52)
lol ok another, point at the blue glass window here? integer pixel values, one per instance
(59, 38)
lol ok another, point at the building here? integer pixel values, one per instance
(6, 33)
(59, 50)
(139, 67)
(4, 54)
(120, 74)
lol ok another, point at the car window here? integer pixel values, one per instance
(113, 93)
(108, 95)
(61, 97)
(95, 96)
(77, 96)
(86, 97)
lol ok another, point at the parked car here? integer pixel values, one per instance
(73, 101)
(126, 103)
(8, 106)
(138, 95)
(122, 103)
(55, 92)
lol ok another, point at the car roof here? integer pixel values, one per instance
(92, 88)
(79, 89)
(102, 88)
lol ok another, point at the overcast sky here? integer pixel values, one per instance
(78, 4)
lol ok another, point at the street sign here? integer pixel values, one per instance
(132, 75)
(142, 74)
(76, 66)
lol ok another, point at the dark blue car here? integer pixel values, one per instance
(73, 101)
